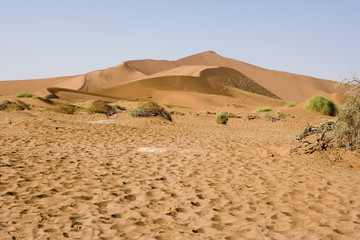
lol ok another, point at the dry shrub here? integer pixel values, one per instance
(65, 109)
(14, 106)
(276, 116)
(107, 108)
(347, 129)
(150, 109)
(315, 138)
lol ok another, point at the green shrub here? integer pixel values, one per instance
(263, 109)
(290, 104)
(65, 109)
(25, 95)
(320, 104)
(222, 118)
(150, 109)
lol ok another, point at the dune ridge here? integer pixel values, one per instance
(213, 80)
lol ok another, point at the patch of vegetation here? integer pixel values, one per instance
(100, 106)
(320, 104)
(25, 95)
(347, 128)
(150, 109)
(276, 116)
(290, 104)
(14, 106)
(222, 118)
(264, 109)
(65, 109)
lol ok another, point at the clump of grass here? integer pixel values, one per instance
(107, 108)
(264, 109)
(276, 116)
(150, 109)
(65, 109)
(320, 104)
(222, 118)
(25, 95)
(290, 104)
(14, 106)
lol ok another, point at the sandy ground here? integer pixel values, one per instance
(122, 178)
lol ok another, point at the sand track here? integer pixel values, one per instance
(210, 182)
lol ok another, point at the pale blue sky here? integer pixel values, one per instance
(48, 38)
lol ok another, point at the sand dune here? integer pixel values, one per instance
(285, 85)
(212, 80)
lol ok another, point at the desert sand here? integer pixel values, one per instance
(94, 176)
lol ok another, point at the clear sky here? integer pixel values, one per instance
(48, 38)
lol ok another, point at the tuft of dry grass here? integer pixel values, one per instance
(107, 108)
(150, 109)
(14, 106)
(65, 109)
